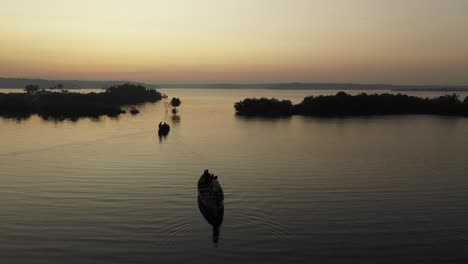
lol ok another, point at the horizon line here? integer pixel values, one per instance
(172, 83)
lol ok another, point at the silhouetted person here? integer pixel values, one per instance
(206, 177)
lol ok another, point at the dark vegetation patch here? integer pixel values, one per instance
(264, 107)
(343, 104)
(62, 104)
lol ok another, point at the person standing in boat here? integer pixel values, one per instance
(207, 177)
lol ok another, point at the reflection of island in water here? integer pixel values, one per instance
(210, 202)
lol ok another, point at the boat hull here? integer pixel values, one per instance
(210, 200)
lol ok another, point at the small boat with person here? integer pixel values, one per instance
(163, 129)
(209, 189)
(210, 201)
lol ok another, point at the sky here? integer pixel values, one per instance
(237, 41)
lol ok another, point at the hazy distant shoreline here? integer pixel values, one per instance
(321, 86)
(18, 83)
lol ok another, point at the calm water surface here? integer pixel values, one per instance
(302, 190)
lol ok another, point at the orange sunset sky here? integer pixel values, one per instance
(242, 41)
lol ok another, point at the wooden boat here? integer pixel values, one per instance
(209, 189)
(210, 201)
(163, 129)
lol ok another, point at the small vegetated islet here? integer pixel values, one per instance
(343, 104)
(63, 104)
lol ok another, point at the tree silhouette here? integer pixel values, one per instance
(31, 89)
(175, 102)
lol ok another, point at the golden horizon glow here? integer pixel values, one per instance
(362, 41)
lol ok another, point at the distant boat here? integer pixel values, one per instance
(163, 129)
(211, 201)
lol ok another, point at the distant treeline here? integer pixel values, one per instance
(358, 86)
(59, 103)
(77, 84)
(431, 89)
(319, 86)
(67, 84)
(343, 104)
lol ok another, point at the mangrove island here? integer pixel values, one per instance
(343, 104)
(57, 103)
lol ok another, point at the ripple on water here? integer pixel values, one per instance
(173, 231)
(257, 221)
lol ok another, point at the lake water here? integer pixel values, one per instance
(389, 189)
